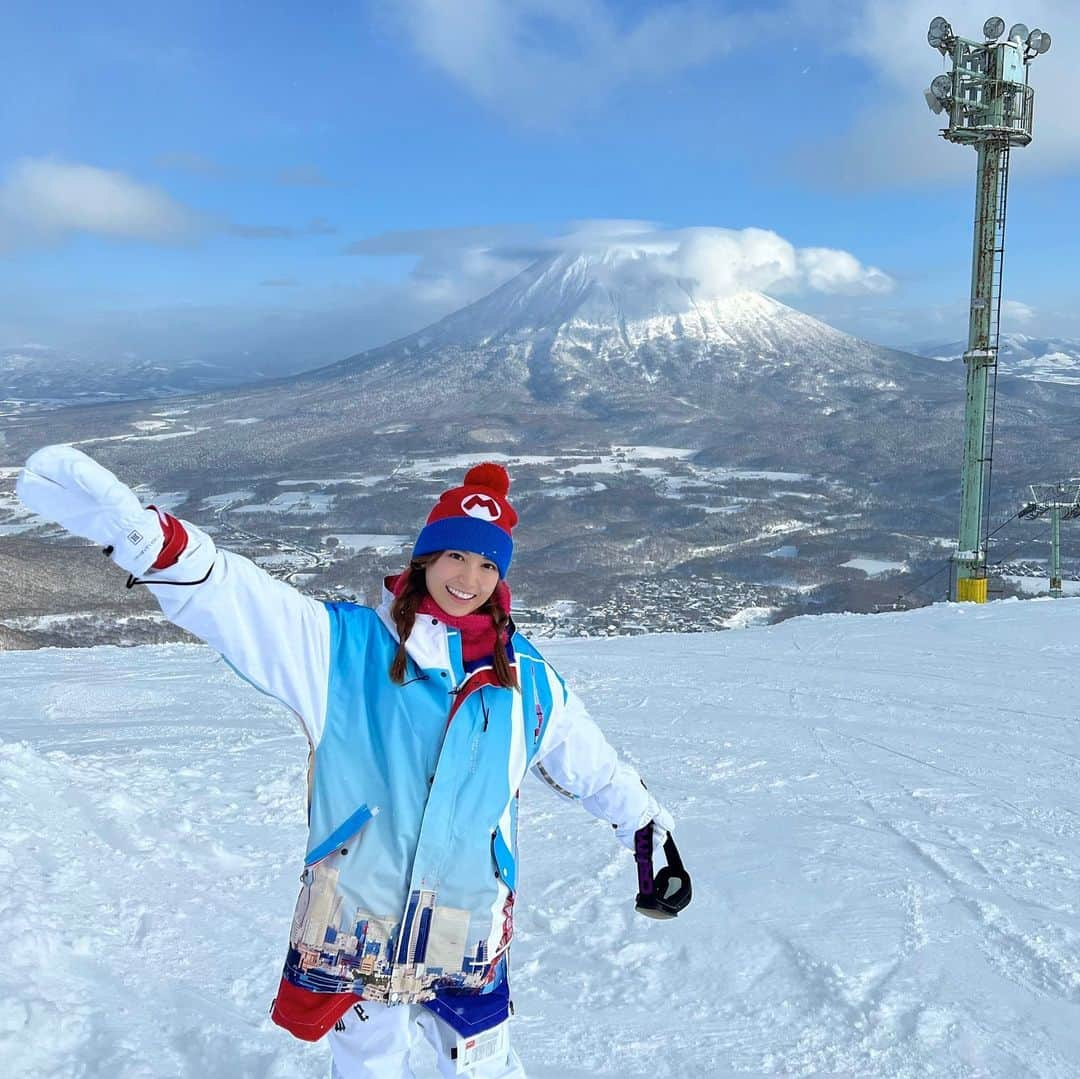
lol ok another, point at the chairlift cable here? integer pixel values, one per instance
(949, 562)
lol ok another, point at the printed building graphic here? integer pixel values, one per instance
(449, 934)
(323, 908)
(414, 933)
(333, 949)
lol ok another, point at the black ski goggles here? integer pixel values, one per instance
(669, 891)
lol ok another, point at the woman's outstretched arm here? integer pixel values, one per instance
(576, 759)
(272, 635)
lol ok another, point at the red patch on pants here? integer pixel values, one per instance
(308, 1015)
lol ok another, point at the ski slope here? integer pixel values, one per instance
(881, 813)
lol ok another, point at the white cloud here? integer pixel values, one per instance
(466, 263)
(542, 59)
(47, 199)
(454, 266)
(724, 261)
(826, 269)
(1015, 311)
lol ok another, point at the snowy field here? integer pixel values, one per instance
(882, 815)
(875, 567)
(1040, 586)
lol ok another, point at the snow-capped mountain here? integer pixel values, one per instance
(617, 301)
(614, 322)
(1039, 359)
(585, 348)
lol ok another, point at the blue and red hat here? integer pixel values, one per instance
(473, 517)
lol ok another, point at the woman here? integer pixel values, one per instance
(422, 718)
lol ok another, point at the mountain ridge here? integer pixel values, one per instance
(1026, 356)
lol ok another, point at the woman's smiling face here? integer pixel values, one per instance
(461, 582)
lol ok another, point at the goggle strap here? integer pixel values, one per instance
(648, 902)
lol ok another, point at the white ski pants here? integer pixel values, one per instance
(378, 1047)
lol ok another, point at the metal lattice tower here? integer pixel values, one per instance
(1061, 502)
(990, 107)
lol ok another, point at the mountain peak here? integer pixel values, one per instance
(620, 289)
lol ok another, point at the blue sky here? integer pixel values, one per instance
(290, 183)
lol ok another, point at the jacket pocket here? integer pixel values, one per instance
(338, 839)
(323, 959)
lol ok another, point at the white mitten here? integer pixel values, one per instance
(662, 823)
(63, 485)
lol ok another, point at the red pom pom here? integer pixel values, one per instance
(490, 476)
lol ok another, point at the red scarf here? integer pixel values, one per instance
(477, 630)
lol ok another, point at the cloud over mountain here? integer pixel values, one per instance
(719, 261)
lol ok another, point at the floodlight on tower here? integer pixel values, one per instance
(940, 34)
(941, 88)
(1038, 42)
(993, 28)
(1018, 32)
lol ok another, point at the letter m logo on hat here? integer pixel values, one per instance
(482, 506)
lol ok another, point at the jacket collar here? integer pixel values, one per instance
(428, 644)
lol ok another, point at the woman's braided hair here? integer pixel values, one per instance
(407, 603)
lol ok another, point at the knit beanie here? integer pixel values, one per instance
(473, 517)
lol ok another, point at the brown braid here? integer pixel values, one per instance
(407, 603)
(505, 675)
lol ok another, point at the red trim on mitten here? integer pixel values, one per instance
(176, 539)
(308, 1015)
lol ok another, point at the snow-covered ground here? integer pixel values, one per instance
(1040, 586)
(362, 541)
(882, 816)
(874, 567)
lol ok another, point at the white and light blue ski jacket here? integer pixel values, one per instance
(410, 874)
